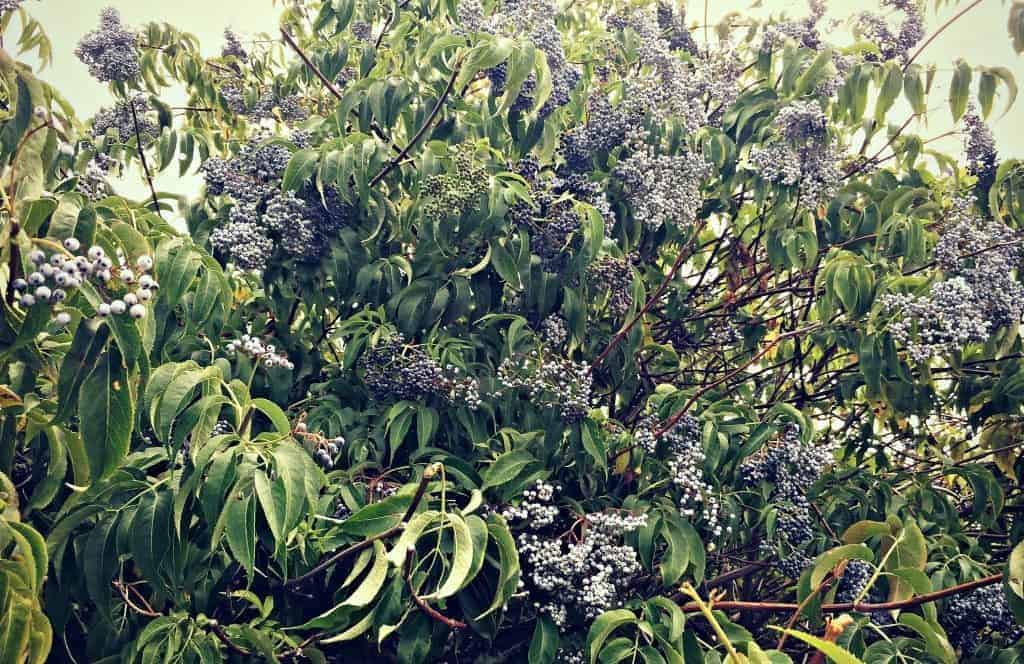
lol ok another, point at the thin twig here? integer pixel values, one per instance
(422, 130)
(310, 66)
(450, 623)
(671, 422)
(142, 157)
(861, 607)
(378, 132)
(800, 609)
(219, 632)
(147, 611)
(621, 334)
(333, 559)
(938, 32)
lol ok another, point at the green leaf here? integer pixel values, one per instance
(825, 562)
(508, 565)
(272, 502)
(374, 579)
(506, 468)
(461, 560)
(545, 640)
(151, 533)
(602, 628)
(1015, 570)
(677, 555)
(410, 534)
(935, 639)
(863, 531)
(89, 341)
(107, 410)
(292, 471)
(300, 167)
(240, 531)
(378, 517)
(837, 654)
(960, 89)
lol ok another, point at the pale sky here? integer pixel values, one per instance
(980, 37)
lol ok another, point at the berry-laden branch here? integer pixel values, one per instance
(860, 607)
(428, 474)
(434, 614)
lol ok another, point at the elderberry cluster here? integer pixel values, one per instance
(612, 278)
(550, 381)
(856, 576)
(981, 153)
(790, 466)
(259, 352)
(943, 321)
(537, 506)
(126, 119)
(92, 183)
(980, 293)
(893, 44)
(673, 26)
(662, 188)
(802, 155)
(469, 16)
(667, 87)
(985, 253)
(576, 575)
(456, 191)
(533, 20)
(267, 105)
(261, 217)
(9, 5)
(803, 31)
(553, 331)
(682, 450)
(110, 52)
(325, 449)
(552, 220)
(396, 370)
(58, 275)
(232, 46)
(221, 428)
(980, 615)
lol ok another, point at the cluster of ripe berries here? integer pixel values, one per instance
(326, 448)
(58, 274)
(265, 354)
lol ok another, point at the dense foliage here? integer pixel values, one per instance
(512, 330)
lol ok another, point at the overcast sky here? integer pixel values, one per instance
(980, 38)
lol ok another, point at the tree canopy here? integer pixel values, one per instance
(512, 331)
